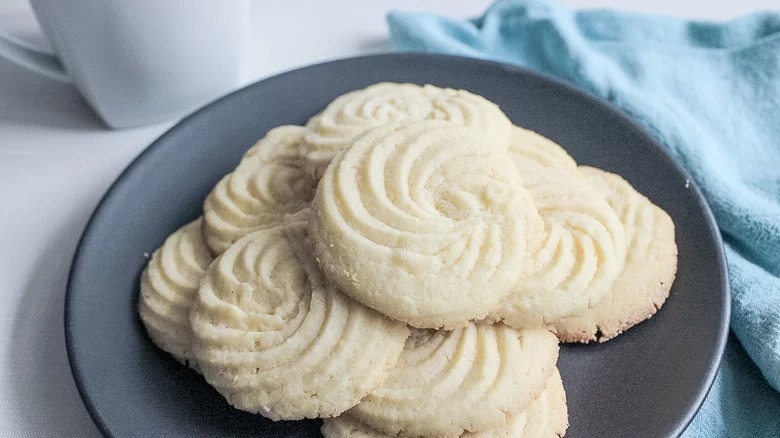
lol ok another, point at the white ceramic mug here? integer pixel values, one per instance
(139, 61)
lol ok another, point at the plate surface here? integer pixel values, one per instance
(647, 382)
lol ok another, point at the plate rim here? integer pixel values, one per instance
(218, 103)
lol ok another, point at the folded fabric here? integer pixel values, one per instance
(709, 92)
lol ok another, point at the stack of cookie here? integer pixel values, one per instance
(405, 265)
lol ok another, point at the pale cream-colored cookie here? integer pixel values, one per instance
(536, 151)
(651, 264)
(425, 222)
(532, 152)
(469, 379)
(545, 417)
(350, 115)
(279, 145)
(168, 286)
(582, 246)
(273, 337)
(268, 185)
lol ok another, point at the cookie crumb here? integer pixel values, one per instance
(146, 255)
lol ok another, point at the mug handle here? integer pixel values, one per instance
(23, 54)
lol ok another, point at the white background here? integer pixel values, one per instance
(57, 159)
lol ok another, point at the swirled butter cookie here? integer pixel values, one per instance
(267, 185)
(582, 249)
(350, 115)
(534, 151)
(651, 264)
(424, 222)
(469, 379)
(168, 286)
(273, 337)
(545, 417)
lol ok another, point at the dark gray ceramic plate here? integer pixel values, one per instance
(648, 382)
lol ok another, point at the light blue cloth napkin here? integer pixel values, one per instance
(710, 92)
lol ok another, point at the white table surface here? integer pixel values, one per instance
(57, 159)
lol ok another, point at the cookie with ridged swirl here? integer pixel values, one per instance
(273, 337)
(168, 285)
(350, 115)
(469, 379)
(424, 222)
(268, 185)
(545, 417)
(650, 268)
(535, 151)
(582, 246)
